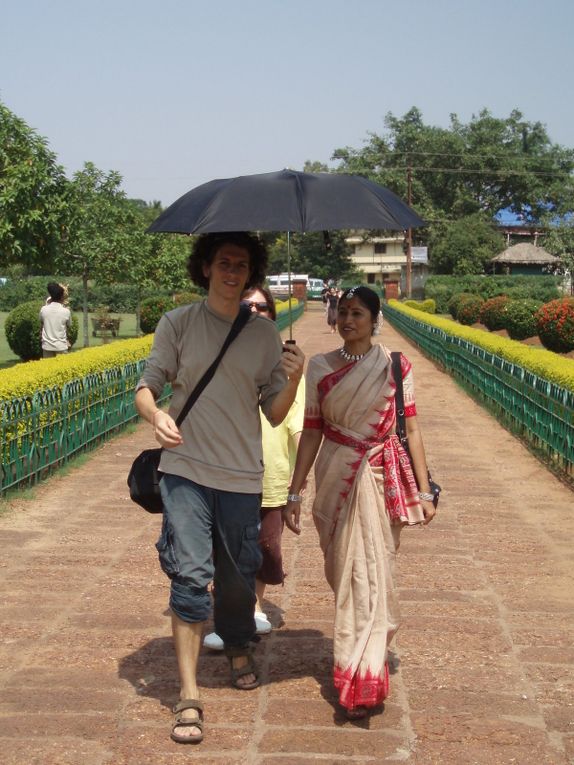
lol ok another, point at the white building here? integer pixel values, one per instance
(383, 261)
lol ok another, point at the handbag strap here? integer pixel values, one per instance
(240, 321)
(399, 399)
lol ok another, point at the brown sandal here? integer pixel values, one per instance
(186, 723)
(234, 652)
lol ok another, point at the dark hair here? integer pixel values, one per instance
(269, 299)
(367, 296)
(56, 291)
(207, 245)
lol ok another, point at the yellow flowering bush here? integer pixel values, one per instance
(283, 305)
(545, 364)
(428, 306)
(31, 377)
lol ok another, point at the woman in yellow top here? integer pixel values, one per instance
(279, 451)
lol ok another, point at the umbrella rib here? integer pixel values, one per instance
(301, 201)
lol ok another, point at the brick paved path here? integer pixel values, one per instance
(484, 660)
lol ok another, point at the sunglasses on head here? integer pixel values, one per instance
(259, 307)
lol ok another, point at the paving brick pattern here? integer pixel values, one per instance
(483, 669)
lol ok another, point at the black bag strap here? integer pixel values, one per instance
(240, 321)
(401, 425)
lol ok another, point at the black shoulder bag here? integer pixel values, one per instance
(144, 475)
(435, 489)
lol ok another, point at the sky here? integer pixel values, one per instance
(174, 93)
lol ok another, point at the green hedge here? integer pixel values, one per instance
(520, 318)
(428, 306)
(120, 298)
(545, 364)
(542, 288)
(24, 380)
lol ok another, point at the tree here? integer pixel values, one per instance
(315, 167)
(465, 246)
(482, 167)
(316, 254)
(102, 231)
(32, 196)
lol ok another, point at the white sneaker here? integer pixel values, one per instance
(262, 624)
(213, 642)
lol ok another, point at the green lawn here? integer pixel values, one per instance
(127, 330)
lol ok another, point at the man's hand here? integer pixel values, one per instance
(293, 361)
(165, 430)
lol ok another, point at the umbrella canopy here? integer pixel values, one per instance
(286, 201)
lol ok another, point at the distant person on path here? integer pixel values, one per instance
(365, 493)
(324, 293)
(279, 448)
(56, 320)
(212, 465)
(332, 300)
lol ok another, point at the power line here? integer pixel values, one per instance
(465, 171)
(520, 157)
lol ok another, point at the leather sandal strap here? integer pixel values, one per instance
(188, 704)
(187, 723)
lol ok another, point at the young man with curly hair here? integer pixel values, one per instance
(212, 464)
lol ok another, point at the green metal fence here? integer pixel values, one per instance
(39, 434)
(538, 410)
(283, 317)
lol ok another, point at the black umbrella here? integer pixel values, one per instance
(286, 201)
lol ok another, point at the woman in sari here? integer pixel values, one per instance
(366, 491)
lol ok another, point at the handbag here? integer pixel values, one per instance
(435, 489)
(145, 475)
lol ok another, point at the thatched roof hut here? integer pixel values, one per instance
(525, 258)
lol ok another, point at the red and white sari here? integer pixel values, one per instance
(365, 492)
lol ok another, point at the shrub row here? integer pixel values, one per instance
(442, 288)
(119, 298)
(24, 380)
(545, 364)
(553, 322)
(428, 306)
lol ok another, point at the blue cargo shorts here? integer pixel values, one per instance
(211, 535)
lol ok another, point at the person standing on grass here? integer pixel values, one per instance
(212, 464)
(56, 320)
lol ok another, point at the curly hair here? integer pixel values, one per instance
(207, 245)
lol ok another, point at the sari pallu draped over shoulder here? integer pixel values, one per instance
(365, 492)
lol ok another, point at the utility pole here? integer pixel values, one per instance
(409, 236)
